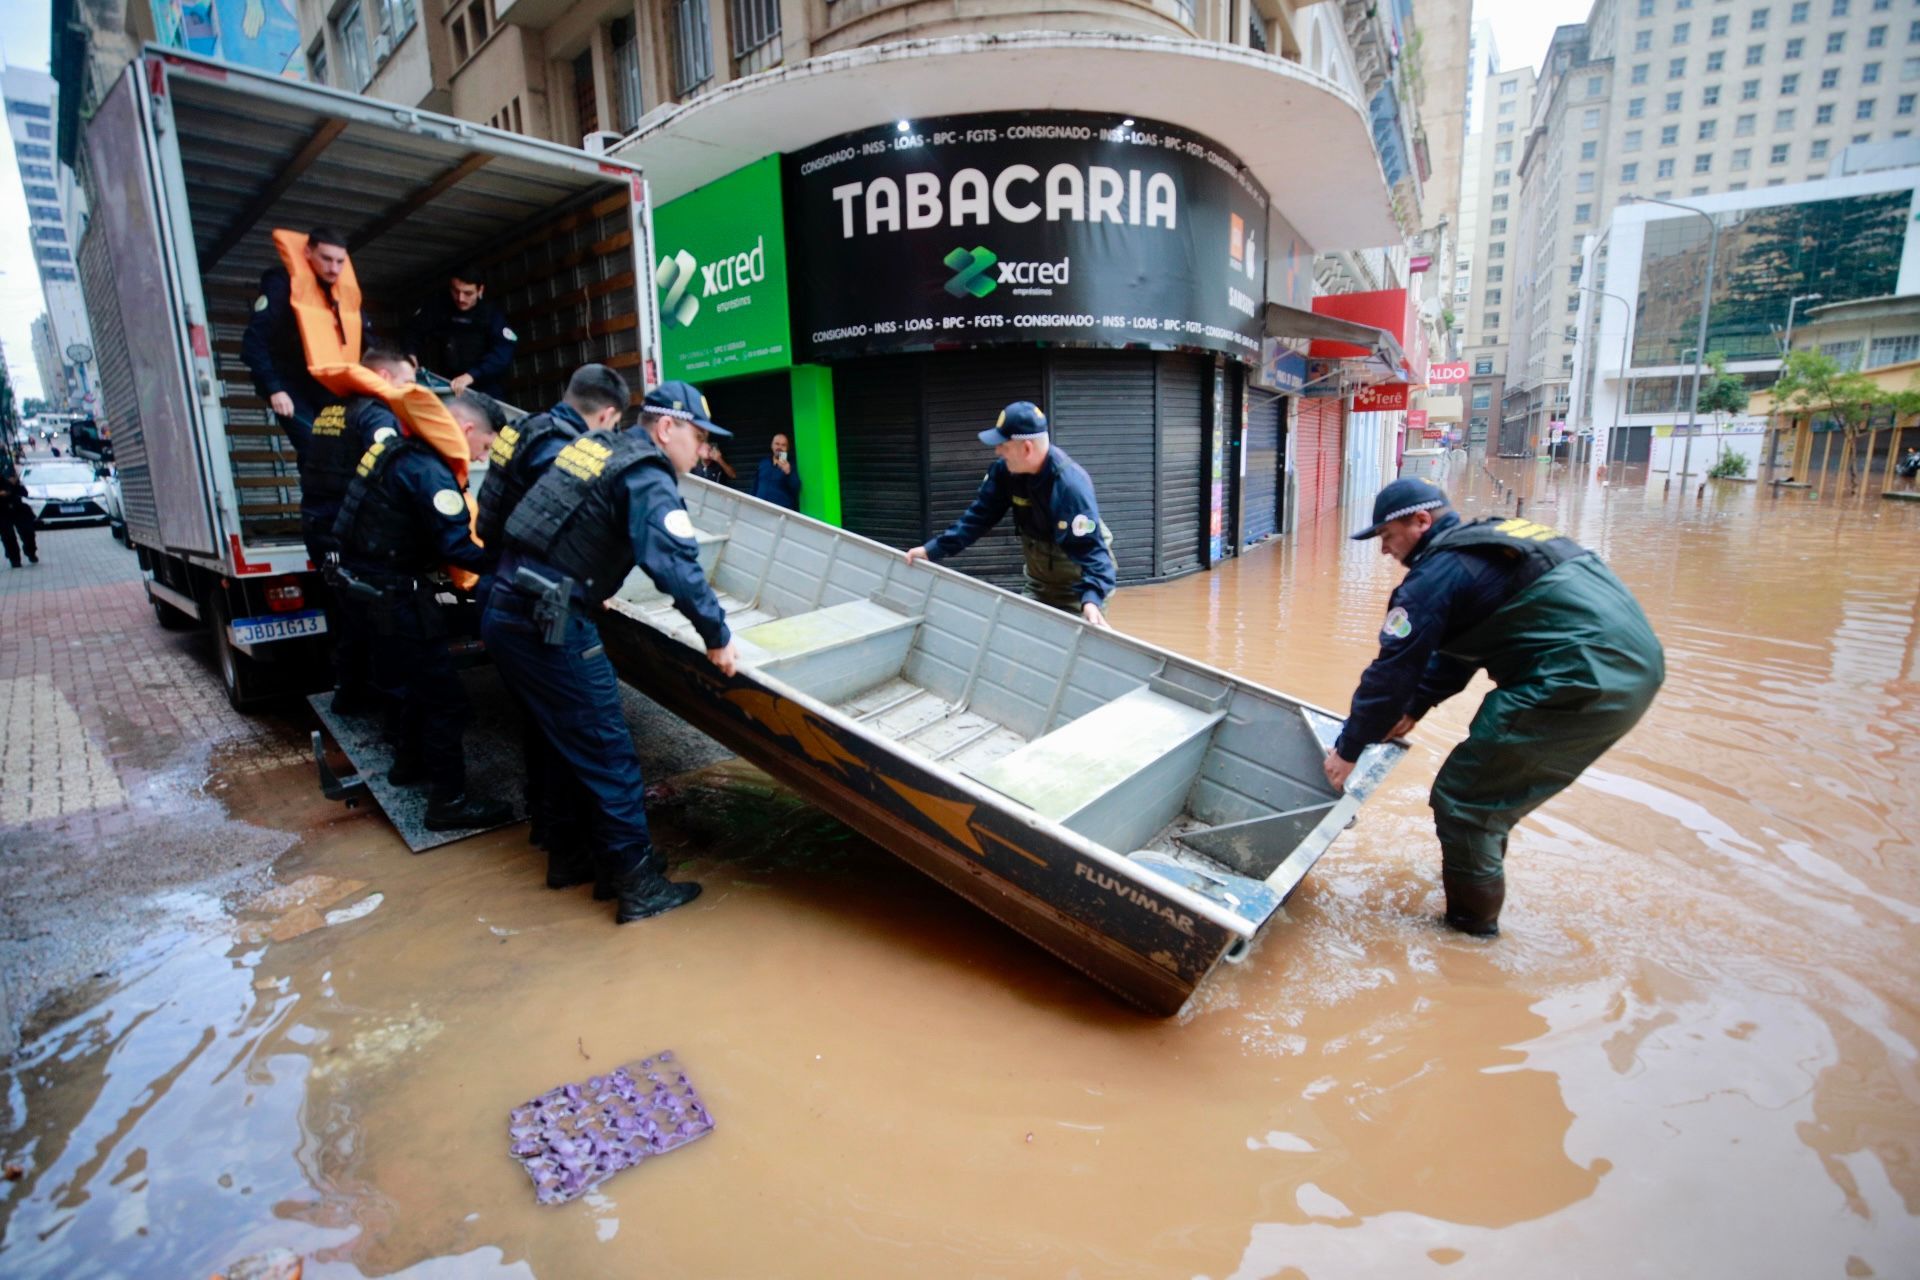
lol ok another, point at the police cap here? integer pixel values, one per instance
(1403, 498)
(1021, 420)
(682, 400)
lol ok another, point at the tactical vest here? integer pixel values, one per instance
(571, 517)
(507, 480)
(459, 340)
(332, 452)
(376, 525)
(1535, 547)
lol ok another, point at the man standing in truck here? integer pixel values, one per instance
(464, 338)
(272, 348)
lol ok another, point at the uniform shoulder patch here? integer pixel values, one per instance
(449, 503)
(260, 303)
(1082, 525)
(679, 524)
(509, 334)
(1397, 625)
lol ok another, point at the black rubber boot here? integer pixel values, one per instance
(407, 773)
(568, 866)
(645, 892)
(1473, 906)
(464, 813)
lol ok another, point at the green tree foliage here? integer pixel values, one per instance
(1817, 387)
(1729, 465)
(9, 414)
(1722, 394)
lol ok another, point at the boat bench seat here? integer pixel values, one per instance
(1116, 775)
(639, 589)
(834, 653)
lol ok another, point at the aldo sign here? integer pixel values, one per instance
(722, 277)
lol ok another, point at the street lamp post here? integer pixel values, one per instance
(1700, 347)
(1626, 374)
(1786, 349)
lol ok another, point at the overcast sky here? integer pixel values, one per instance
(1521, 29)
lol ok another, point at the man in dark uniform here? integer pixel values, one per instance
(271, 346)
(403, 518)
(559, 810)
(16, 517)
(1068, 548)
(339, 437)
(463, 337)
(1573, 659)
(605, 505)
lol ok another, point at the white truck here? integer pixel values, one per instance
(188, 165)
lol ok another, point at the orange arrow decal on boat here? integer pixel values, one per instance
(951, 816)
(792, 721)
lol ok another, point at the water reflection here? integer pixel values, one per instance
(1694, 1050)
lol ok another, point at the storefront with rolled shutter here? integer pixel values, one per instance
(1319, 443)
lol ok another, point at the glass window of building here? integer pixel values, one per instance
(1870, 73)
(1669, 134)
(1677, 69)
(1493, 297)
(1836, 41)
(1483, 366)
(350, 38)
(1719, 27)
(1496, 274)
(42, 193)
(1823, 114)
(1716, 61)
(1876, 37)
(1631, 140)
(1898, 350)
(1840, 7)
(1630, 173)
(1573, 305)
(41, 132)
(1673, 101)
(623, 37)
(1642, 41)
(1583, 213)
(1703, 163)
(1593, 86)
(1904, 107)
(1798, 13)
(1780, 152)
(1681, 30)
(1795, 47)
(756, 34)
(1509, 87)
(1757, 20)
(1583, 183)
(1707, 129)
(1646, 8)
(1743, 125)
(1483, 396)
(1499, 203)
(1497, 250)
(1590, 118)
(1742, 158)
(317, 62)
(1710, 96)
(1789, 84)
(1639, 74)
(1636, 107)
(1498, 227)
(1817, 149)
(1588, 150)
(1501, 177)
(1830, 78)
(1913, 33)
(691, 39)
(1756, 54)
(1503, 153)
(1491, 320)
(1844, 354)
(1749, 90)
(1863, 109)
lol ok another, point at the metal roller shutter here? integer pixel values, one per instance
(965, 392)
(1266, 425)
(1316, 460)
(1101, 406)
(1183, 382)
(755, 410)
(882, 450)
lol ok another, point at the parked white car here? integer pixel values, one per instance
(64, 491)
(116, 508)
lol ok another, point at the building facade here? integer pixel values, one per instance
(1490, 264)
(55, 220)
(1838, 258)
(1677, 99)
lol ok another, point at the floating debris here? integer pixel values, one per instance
(573, 1138)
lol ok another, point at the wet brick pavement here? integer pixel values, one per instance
(116, 744)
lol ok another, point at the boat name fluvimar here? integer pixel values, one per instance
(1146, 901)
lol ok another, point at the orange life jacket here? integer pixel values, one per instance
(327, 340)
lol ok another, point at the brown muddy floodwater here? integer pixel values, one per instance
(1693, 1052)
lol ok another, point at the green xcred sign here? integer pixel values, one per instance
(721, 277)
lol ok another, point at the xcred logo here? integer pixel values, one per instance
(674, 278)
(970, 269)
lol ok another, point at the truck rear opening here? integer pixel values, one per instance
(191, 164)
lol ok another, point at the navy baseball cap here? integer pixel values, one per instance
(682, 400)
(1021, 420)
(1403, 498)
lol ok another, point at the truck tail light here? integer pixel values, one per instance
(286, 596)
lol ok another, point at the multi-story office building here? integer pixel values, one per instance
(46, 359)
(1675, 99)
(55, 219)
(1490, 215)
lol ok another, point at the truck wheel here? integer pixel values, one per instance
(248, 688)
(169, 618)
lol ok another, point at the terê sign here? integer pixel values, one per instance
(1024, 227)
(1378, 399)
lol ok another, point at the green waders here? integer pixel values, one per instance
(1576, 664)
(1053, 576)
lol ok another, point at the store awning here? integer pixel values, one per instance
(1384, 358)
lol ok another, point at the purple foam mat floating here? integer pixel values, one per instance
(573, 1138)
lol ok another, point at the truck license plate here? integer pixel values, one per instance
(279, 626)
